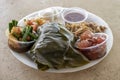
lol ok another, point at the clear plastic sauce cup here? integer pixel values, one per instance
(74, 15)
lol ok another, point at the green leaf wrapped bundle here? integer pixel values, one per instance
(53, 49)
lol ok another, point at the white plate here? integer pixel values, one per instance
(91, 17)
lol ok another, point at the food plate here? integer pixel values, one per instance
(91, 17)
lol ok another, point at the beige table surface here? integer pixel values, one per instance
(12, 69)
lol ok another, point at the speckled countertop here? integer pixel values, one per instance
(12, 69)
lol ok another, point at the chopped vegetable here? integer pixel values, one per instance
(35, 23)
(33, 35)
(16, 30)
(34, 27)
(10, 27)
(26, 34)
(22, 34)
(12, 24)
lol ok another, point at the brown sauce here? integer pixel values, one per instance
(74, 17)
